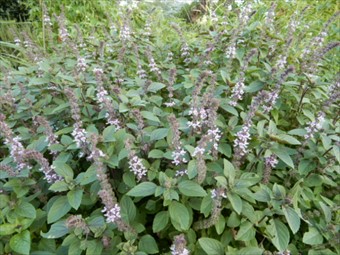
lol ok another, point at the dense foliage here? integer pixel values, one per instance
(137, 133)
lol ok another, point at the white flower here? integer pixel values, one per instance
(79, 135)
(178, 156)
(231, 52)
(98, 71)
(181, 172)
(113, 214)
(237, 92)
(136, 166)
(170, 104)
(241, 141)
(81, 64)
(198, 150)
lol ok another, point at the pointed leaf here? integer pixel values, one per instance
(148, 244)
(211, 246)
(59, 208)
(57, 230)
(312, 237)
(179, 214)
(160, 221)
(279, 234)
(191, 189)
(143, 189)
(292, 218)
(74, 197)
(284, 156)
(236, 202)
(21, 243)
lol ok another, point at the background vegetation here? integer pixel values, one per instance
(130, 128)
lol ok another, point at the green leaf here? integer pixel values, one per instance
(58, 209)
(326, 211)
(59, 186)
(57, 230)
(179, 215)
(246, 232)
(148, 244)
(21, 243)
(7, 229)
(155, 86)
(312, 237)
(160, 221)
(284, 156)
(74, 197)
(191, 189)
(97, 225)
(60, 108)
(143, 189)
(150, 116)
(292, 218)
(220, 225)
(229, 171)
(192, 168)
(38, 81)
(108, 134)
(63, 169)
(89, 176)
(158, 134)
(254, 86)
(94, 247)
(26, 210)
(279, 234)
(127, 209)
(156, 154)
(289, 139)
(250, 251)
(236, 202)
(211, 246)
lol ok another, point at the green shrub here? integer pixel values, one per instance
(149, 136)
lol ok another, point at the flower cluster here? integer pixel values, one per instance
(270, 163)
(50, 136)
(141, 72)
(231, 51)
(179, 153)
(242, 140)
(16, 147)
(47, 20)
(181, 172)
(153, 66)
(237, 92)
(112, 214)
(199, 116)
(81, 64)
(125, 33)
(315, 126)
(79, 133)
(218, 193)
(185, 53)
(215, 135)
(50, 175)
(178, 157)
(63, 33)
(104, 100)
(178, 246)
(136, 166)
